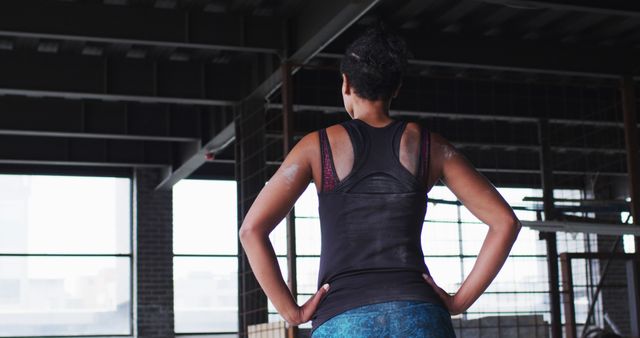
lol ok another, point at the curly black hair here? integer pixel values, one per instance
(375, 63)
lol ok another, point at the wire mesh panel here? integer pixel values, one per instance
(589, 154)
(251, 177)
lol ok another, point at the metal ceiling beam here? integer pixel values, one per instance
(437, 49)
(20, 116)
(33, 74)
(111, 164)
(318, 24)
(412, 9)
(590, 228)
(400, 112)
(142, 27)
(456, 116)
(84, 152)
(618, 8)
(137, 42)
(113, 97)
(503, 146)
(70, 134)
(535, 148)
(194, 160)
(555, 172)
(454, 14)
(78, 170)
(480, 169)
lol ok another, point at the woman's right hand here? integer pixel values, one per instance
(451, 302)
(304, 313)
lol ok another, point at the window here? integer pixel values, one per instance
(205, 245)
(205, 258)
(451, 239)
(65, 256)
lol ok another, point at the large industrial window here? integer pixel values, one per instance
(205, 245)
(516, 304)
(65, 256)
(451, 239)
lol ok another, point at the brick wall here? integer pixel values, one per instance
(153, 256)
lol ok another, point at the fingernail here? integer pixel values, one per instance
(326, 287)
(427, 277)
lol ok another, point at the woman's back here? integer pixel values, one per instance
(343, 156)
(371, 217)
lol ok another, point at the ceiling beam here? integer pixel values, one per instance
(503, 146)
(484, 170)
(615, 7)
(71, 134)
(142, 27)
(97, 119)
(317, 25)
(113, 97)
(590, 228)
(83, 152)
(526, 56)
(412, 9)
(33, 74)
(456, 116)
(193, 161)
(65, 170)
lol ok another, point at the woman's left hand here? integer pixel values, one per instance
(451, 302)
(303, 313)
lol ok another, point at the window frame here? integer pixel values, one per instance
(130, 255)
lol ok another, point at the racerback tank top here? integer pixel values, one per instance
(371, 222)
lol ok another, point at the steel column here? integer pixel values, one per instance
(549, 237)
(633, 291)
(629, 98)
(568, 299)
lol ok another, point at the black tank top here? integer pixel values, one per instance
(371, 223)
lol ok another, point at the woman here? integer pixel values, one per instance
(372, 174)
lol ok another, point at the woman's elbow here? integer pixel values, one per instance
(514, 226)
(249, 232)
(510, 225)
(245, 233)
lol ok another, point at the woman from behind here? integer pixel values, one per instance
(372, 174)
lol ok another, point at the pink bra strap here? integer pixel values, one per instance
(328, 178)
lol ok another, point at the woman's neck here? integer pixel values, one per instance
(374, 113)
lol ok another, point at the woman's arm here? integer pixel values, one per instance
(484, 201)
(272, 204)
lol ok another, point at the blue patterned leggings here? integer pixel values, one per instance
(410, 319)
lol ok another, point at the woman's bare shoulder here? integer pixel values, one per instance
(413, 130)
(309, 142)
(336, 130)
(440, 146)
